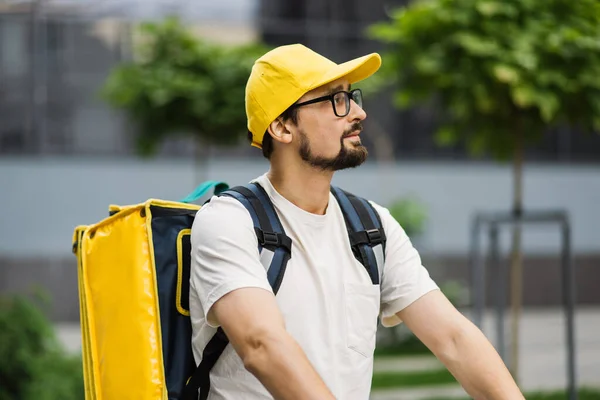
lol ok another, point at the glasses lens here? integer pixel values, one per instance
(341, 104)
(357, 97)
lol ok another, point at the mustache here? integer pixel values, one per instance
(357, 126)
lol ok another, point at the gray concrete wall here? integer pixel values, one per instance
(43, 199)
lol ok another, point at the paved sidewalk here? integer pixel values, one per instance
(543, 355)
(439, 391)
(543, 359)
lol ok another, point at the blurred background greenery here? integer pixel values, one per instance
(33, 363)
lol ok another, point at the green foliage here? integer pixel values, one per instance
(180, 84)
(387, 380)
(497, 69)
(32, 363)
(410, 214)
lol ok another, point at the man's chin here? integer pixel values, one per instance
(355, 157)
(359, 150)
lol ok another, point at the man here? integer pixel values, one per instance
(315, 339)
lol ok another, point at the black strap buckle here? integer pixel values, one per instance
(374, 236)
(370, 237)
(267, 238)
(272, 240)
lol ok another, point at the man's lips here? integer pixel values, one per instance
(352, 134)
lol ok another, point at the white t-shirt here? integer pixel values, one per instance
(327, 299)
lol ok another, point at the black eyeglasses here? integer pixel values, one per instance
(340, 101)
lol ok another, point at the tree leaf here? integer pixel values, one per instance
(524, 96)
(596, 124)
(446, 136)
(549, 106)
(484, 100)
(493, 8)
(477, 145)
(476, 45)
(403, 99)
(505, 73)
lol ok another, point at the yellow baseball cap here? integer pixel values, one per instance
(283, 75)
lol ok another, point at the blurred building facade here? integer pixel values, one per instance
(65, 155)
(56, 54)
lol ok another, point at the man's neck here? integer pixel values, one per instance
(303, 186)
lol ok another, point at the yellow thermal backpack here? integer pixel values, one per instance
(133, 276)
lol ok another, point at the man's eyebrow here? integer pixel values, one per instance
(336, 89)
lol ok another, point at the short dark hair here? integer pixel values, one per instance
(267, 143)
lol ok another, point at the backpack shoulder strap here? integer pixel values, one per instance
(365, 231)
(271, 236)
(268, 228)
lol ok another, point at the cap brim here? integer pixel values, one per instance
(354, 70)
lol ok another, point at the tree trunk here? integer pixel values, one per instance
(516, 267)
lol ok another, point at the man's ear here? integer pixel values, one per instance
(279, 131)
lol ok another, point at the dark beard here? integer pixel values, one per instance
(346, 158)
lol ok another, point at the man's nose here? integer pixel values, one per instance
(356, 112)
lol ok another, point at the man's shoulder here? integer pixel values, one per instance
(221, 212)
